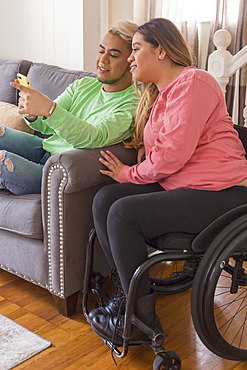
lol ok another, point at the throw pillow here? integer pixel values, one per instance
(10, 117)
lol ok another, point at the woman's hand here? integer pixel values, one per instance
(32, 102)
(112, 163)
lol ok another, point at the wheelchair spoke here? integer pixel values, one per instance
(240, 332)
(230, 309)
(168, 270)
(227, 304)
(170, 277)
(231, 319)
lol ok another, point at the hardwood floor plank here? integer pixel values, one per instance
(76, 347)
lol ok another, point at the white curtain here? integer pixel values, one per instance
(184, 13)
(191, 15)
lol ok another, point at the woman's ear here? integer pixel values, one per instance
(162, 53)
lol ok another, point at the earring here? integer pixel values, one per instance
(160, 56)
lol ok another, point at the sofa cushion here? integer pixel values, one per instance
(21, 214)
(8, 71)
(52, 80)
(10, 117)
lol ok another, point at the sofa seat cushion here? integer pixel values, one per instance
(21, 214)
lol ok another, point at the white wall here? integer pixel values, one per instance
(91, 32)
(47, 31)
(62, 32)
(120, 10)
(136, 10)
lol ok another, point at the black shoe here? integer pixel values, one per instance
(111, 328)
(116, 305)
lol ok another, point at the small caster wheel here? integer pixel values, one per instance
(170, 361)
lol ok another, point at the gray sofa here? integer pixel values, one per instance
(43, 236)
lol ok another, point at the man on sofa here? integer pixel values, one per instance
(90, 113)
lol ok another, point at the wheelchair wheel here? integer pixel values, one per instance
(169, 277)
(219, 294)
(172, 362)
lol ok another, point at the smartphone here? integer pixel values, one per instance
(23, 80)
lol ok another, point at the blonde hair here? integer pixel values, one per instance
(124, 29)
(158, 31)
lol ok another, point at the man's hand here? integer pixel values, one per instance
(32, 102)
(112, 163)
(141, 154)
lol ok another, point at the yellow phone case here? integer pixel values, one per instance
(23, 80)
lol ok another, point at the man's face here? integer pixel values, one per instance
(112, 66)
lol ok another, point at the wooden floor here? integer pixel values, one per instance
(76, 347)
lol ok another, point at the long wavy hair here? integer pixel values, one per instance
(158, 31)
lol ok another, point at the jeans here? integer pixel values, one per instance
(22, 165)
(126, 215)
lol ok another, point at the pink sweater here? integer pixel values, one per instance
(189, 138)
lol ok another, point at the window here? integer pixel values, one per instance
(202, 11)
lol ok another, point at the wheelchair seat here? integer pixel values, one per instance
(196, 242)
(177, 275)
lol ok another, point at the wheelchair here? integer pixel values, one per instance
(214, 264)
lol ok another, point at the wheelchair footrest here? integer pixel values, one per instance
(155, 336)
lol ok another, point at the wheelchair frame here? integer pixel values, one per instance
(227, 244)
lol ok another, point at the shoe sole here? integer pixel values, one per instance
(120, 344)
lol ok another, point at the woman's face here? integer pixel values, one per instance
(143, 60)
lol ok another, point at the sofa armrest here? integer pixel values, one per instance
(70, 182)
(82, 166)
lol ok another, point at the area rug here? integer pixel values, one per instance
(17, 344)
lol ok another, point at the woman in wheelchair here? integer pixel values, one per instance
(194, 169)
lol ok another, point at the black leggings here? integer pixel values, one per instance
(125, 215)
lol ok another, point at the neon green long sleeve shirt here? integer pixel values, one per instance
(88, 117)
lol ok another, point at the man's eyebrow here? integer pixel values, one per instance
(117, 50)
